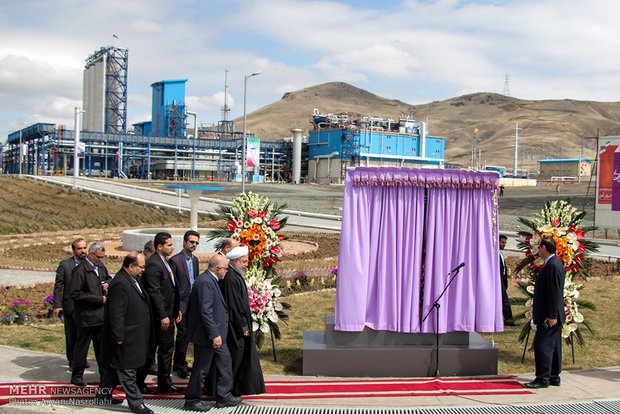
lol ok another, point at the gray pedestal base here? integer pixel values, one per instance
(373, 353)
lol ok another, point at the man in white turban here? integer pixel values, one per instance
(247, 373)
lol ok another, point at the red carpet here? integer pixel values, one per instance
(294, 389)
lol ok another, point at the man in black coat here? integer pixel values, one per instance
(62, 294)
(89, 286)
(185, 267)
(503, 273)
(162, 287)
(126, 335)
(549, 316)
(247, 373)
(207, 329)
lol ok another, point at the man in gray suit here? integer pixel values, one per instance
(62, 294)
(207, 327)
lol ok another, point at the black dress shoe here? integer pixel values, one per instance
(232, 402)
(199, 406)
(147, 391)
(183, 373)
(142, 409)
(536, 384)
(555, 383)
(78, 381)
(168, 389)
(107, 400)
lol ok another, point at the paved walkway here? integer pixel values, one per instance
(20, 365)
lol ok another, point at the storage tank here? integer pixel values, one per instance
(296, 155)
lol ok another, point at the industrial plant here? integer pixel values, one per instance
(170, 146)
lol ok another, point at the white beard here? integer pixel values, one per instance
(241, 271)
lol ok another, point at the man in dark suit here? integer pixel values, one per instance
(185, 267)
(161, 285)
(227, 245)
(503, 273)
(207, 328)
(126, 335)
(89, 286)
(549, 316)
(62, 294)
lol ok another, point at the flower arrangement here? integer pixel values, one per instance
(253, 221)
(564, 223)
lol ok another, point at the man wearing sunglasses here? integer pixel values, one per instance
(185, 266)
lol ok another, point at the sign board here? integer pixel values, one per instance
(253, 152)
(81, 149)
(607, 210)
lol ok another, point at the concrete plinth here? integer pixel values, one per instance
(392, 354)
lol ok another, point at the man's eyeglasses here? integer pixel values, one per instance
(100, 257)
(193, 242)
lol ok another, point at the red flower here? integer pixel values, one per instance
(231, 225)
(274, 224)
(566, 268)
(262, 214)
(571, 227)
(580, 234)
(266, 263)
(555, 223)
(574, 268)
(273, 259)
(578, 258)
(527, 240)
(280, 237)
(252, 213)
(275, 250)
(582, 248)
(528, 253)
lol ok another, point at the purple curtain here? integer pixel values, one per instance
(381, 259)
(460, 228)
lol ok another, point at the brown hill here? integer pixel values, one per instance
(547, 128)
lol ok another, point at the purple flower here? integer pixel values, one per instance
(49, 299)
(335, 271)
(22, 317)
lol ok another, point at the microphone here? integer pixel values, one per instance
(459, 267)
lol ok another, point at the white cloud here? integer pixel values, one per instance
(418, 52)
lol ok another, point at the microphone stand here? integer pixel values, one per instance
(436, 305)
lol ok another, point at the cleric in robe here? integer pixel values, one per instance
(247, 373)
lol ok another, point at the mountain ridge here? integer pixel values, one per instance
(548, 128)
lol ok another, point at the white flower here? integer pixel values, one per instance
(264, 328)
(546, 228)
(575, 293)
(277, 305)
(578, 317)
(254, 326)
(530, 289)
(273, 317)
(276, 292)
(529, 314)
(529, 303)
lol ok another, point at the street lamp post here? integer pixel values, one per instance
(245, 139)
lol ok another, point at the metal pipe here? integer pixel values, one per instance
(76, 143)
(245, 138)
(195, 115)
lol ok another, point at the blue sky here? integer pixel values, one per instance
(414, 51)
